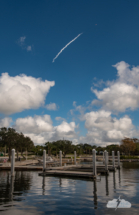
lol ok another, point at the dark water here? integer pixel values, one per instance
(29, 193)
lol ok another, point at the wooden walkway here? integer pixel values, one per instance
(81, 171)
(22, 168)
(68, 174)
(84, 167)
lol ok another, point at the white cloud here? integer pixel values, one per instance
(126, 75)
(59, 118)
(21, 42)
(51, 106)
(41, 130)
(75, 141)
(36, 124)
(22, 92)
(5, 122)
(98, 83)
(119, 97)
(78, 108)
(103, 129)
(29, 48)
(65, 127)
(122, 93)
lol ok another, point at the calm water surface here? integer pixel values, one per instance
(29, 193)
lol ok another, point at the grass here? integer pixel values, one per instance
(129, 157)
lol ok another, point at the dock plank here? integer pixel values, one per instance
(68, 173)
(22, 168)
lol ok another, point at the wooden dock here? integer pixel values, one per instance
(84, 167)
(83, 171)
(22, 168)
(77, 170)
(68, 174)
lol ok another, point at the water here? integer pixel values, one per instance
(29, 193)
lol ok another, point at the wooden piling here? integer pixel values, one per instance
(103, 158)
(94, 162)
(113, 159)
(106, 163)
(44, 160)
(75, 157)
(60, 157)
(118, 154)
(107, 158)
(13, 162)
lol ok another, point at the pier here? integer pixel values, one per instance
(82, 170)
(66, 167)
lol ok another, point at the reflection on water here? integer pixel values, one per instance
(119, 176)
(107, 185)
(95, 194)
(11, 189)
(114, 182)
(43, 186)
(29, 193)
(13, 185)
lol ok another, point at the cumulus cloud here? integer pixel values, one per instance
(5, 122)
(51, 106)
(65, 128)
(123, 93)
(41, 130)
(22, 92)
(36, 124)
(104, 129)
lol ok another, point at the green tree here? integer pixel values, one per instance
(8, 138)
(128, 145)
(49, 147)
(65, 146)
(113, 147)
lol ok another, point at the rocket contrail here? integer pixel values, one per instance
(65, 47)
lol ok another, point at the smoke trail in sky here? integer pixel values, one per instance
(65, 47)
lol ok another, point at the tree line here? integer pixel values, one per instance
(10, 138)
(127, 146)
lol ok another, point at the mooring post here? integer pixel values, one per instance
(44, 160)
(107, 158)
(75, 157)
(106, 163)
(60, 157)
(12, 162)
(103, 158)
(94, 162)
(113, 159)
(118, 154)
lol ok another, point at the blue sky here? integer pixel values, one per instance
(86, 98)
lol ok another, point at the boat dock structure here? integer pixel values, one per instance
(65, 168)
(81, 170)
